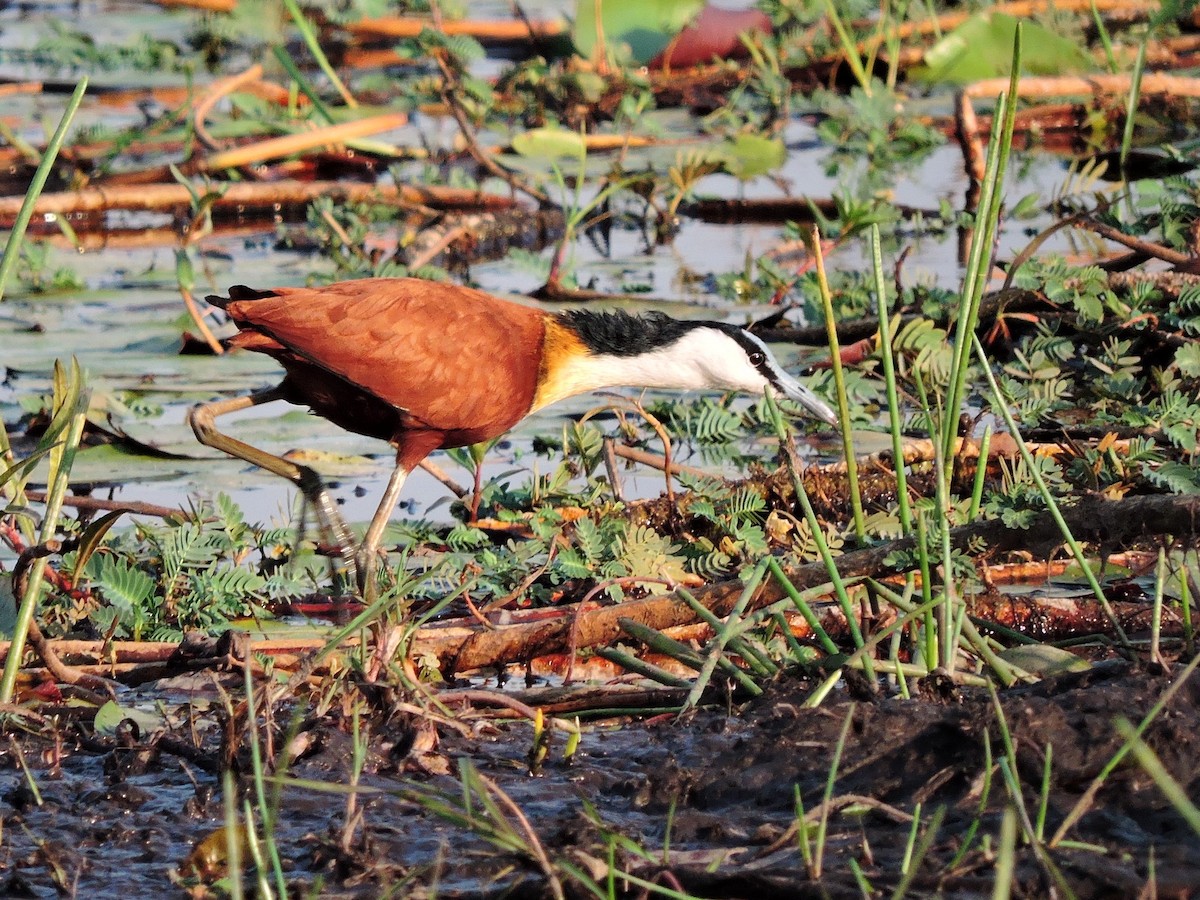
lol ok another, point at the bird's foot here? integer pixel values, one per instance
(366, 563)
(332, 527)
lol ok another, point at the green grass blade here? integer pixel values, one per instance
(12, 249)
(982, 241)
(314, 47)
(67, 389)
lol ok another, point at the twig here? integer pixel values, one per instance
(91, 504)
(655, 461)
(220, 88)
(450, 89)
(291, 144)
(444, 477)
(198, 320)
(160, 197)
(1158, 251)
(1153, 83)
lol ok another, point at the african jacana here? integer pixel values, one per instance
(425, 365)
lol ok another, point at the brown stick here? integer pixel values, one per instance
(655, 460)
(220, 6)
(290, 144)
(162, 197)
(507, 30)
(1156, 251)
(1071, 85)
(222, 87)
(972, 146)
(23, 87)
(1023, 9)
(198, 320)
(450, 87)
(92, 504)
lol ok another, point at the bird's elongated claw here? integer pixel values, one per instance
(332, 526)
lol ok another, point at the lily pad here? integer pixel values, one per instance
(549, 144)
(645, 26)
(982, 47)
(110, 716)
(1044, 659)
(747, 156)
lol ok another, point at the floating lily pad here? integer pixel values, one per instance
(1044, 659)
(645, 26)
(982, 47)
(110, 716)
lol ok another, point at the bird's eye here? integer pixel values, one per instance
(757, 358)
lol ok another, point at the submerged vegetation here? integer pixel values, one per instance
(943, 649)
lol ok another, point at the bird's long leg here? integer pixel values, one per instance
(202, 418)
(368, 550)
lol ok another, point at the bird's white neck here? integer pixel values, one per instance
(697, 361)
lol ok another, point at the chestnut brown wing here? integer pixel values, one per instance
(457, 359)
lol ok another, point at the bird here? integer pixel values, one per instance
(428, 365)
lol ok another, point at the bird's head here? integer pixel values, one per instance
(589, 350)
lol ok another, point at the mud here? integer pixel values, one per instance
(709, 798)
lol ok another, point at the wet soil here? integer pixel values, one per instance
(710, 798)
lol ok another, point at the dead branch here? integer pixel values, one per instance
(291, 144)
(166, 197)
(93, 504)
(1153, 83)
(483, 30)
(222, 87)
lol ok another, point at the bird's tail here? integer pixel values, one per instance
(238, 292)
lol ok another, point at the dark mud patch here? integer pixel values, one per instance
(710, 800)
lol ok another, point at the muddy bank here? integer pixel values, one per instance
(718, 789)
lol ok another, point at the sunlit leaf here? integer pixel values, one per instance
(1187, 358)
(1044, 659)
(982, 47)
(110, 716)
(549, 144)
(747, 156)
(646, 26)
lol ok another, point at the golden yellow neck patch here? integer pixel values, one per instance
(557, 378)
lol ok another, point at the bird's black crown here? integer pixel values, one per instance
(619, 333)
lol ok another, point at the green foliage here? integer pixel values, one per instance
(159, 580)
(922, 347)
(609, 548)
(343, 232)
(737, 535)
(634, 30)
(66, 48)
(35, 274)
(1101, 466)
(982, 46)
(759, 281)
(1035, 379)
(1178, 416)
(1085, 289)
(871, 125)
(1178, 478)
(1019, 500)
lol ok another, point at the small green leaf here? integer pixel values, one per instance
(1044, 659)
(184, 273)
(747, 156)
(1188, 360)
(646, 26)
(549, 144)
(90, 541)
(110, 716)
(982, 47)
